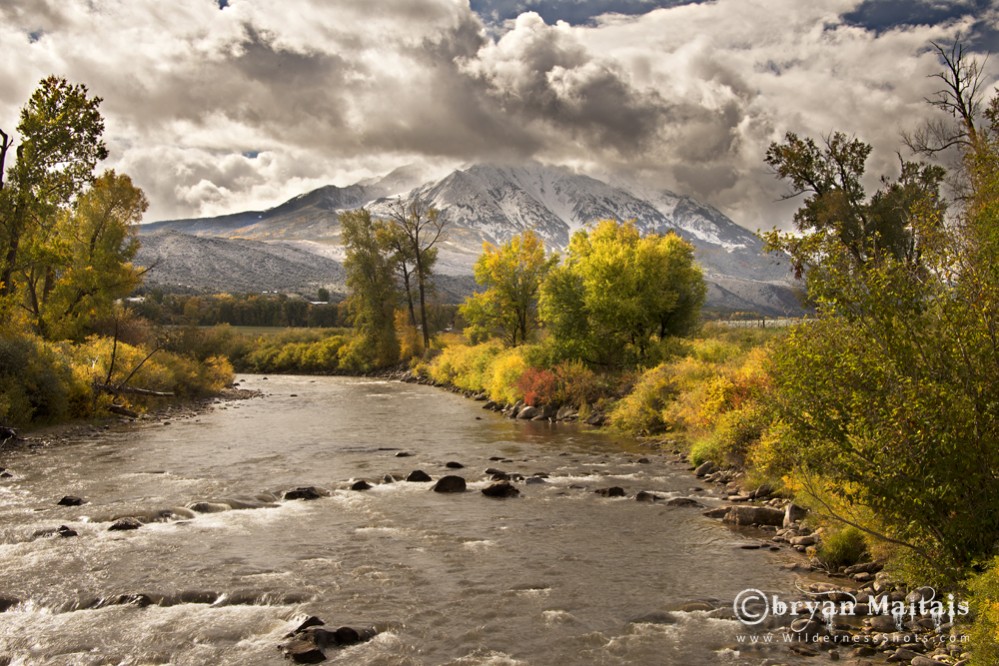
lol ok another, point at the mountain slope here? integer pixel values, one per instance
(492, 203)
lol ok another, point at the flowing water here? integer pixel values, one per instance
(559, 575)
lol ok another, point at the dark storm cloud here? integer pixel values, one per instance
(542, 76)
(215, 109)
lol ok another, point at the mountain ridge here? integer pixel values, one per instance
(491, 203)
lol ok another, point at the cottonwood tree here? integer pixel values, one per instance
(512, 274)
(372, 293)
(618, 294)
(60, 143)
(87, 263)
(885, 404)
(415, 229)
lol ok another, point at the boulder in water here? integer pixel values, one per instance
(310, 639)
(71, 500)
(208, 507)
(305, 493)
(451, 464)
(685, 502)
(501, 489)
(66, 532)
(361, 485)
(450, 484)
(126, 523)
(418, 476)
(613, 491)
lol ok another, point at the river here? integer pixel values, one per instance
(559, 575)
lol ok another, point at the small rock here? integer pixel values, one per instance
(495, 459)
(418, 476)
(807, 540)
(719, 512)
(535, 480)
(656, 617)
(882, 623)
(792, 514)
(866, 567)
(754, 515)
(527, 413)
(403, 454)
(706, 468)
(6, 603)
(645, 496)
(305, 493)
(613, 491)
(454, 465)
(127, 523)
(450, 484)
(303, 651)
(311, 621)
(66, 532)
(644, 461)
(361, 485)
(71, 500)
(903, 655)
(924, 661)
(501, 489)
(685, 502)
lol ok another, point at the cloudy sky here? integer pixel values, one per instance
(217, 106)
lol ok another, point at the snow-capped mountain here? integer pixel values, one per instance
(492, 203)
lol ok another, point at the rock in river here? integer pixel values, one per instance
(418, 476)
(684, 502)
(754, 515)
(310, 640)
(450, 484)
(126, 523)
(613, 491)
(360, 485)
(72, 500)
(305, 493)
(501, 489)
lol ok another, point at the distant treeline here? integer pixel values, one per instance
(237, 310)
(255, 310)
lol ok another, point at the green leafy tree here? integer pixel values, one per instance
(89, 259)
(60, 132)
(512, 274)
(618, 293)
(886, 403)
(372, 293)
